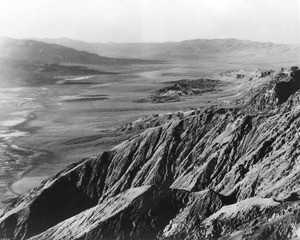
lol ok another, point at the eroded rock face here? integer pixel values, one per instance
(285, 89)
(252, 218)
(200, 206)
(234, 173)
(137, 213)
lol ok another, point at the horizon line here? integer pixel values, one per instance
(154, 42)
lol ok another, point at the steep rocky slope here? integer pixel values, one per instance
(215, 173)
(138, 213)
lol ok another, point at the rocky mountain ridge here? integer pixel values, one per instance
(214, 173)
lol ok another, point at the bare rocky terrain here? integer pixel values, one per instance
(182, 88)
(227, 171)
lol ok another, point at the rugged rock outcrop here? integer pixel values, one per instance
(137, 213)
(230, 173)
(182, 88)
(200, 206)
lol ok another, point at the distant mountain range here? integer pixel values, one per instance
(34, 63)
(190, 49)
(41, 52)
(64, 50)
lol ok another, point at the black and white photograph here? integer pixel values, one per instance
(150, 119)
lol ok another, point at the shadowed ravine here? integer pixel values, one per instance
(230, 173)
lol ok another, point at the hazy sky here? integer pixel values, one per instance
(152, 20)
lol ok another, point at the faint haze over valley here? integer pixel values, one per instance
(152, 21)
